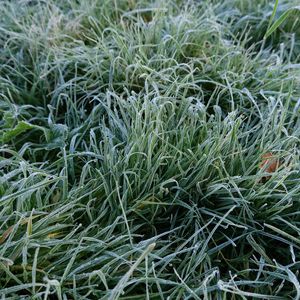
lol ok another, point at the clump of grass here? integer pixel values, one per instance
(133, 143)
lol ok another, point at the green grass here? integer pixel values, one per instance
(131, 139)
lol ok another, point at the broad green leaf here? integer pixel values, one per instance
(18, 129)
(21, 127)
(56, 136)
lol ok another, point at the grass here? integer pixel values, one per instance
(132, 138)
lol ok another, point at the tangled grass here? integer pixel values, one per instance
(132, 137)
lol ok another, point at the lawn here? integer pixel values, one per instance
(149, 149)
